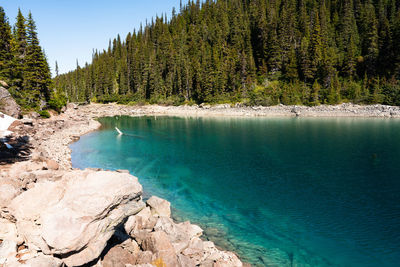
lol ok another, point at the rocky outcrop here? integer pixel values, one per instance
(119, 256)
(71, 217)
(8, 104)
(74, 217)
(53, 217)
(167, 243)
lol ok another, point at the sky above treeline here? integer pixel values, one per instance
(69, 30)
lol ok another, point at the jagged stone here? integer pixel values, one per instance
(159, 206)
(137, 222)
(158, 243)
(8, 104)
(144, 257)
(118, 257)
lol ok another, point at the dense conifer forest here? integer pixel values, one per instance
(259, 52)
(23, 64)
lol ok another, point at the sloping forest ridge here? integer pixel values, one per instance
(258, 52)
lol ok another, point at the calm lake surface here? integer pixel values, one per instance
(278, 191)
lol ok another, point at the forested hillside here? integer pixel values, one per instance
(252, 51)
(23, 64)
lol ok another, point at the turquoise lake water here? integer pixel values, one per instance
(278, 191)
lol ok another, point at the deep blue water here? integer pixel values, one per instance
(278, 191)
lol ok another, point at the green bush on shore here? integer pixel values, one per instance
(44, 114)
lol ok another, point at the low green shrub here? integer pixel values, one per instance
(44, 114)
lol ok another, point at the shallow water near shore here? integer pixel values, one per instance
(278, 191)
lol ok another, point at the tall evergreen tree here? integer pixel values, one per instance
(37, 77)
(19, 47)
(5, 46)
(56, 69)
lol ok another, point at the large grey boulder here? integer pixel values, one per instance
(74, 217)
(8, 104)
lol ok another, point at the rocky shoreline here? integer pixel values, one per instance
(238, 110)
(54, 215)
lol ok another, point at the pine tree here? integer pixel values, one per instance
(349, 64)
(334, 91)
(20, 35)
(316, 47)
(19, 47)
(396, 45)
(370, 45)
(37, 77)
(292, 68)
(57, 71)
(5, 47)
(315, 93)
(349, 38)
(306, 61)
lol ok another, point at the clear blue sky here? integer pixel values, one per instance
(69, 30)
